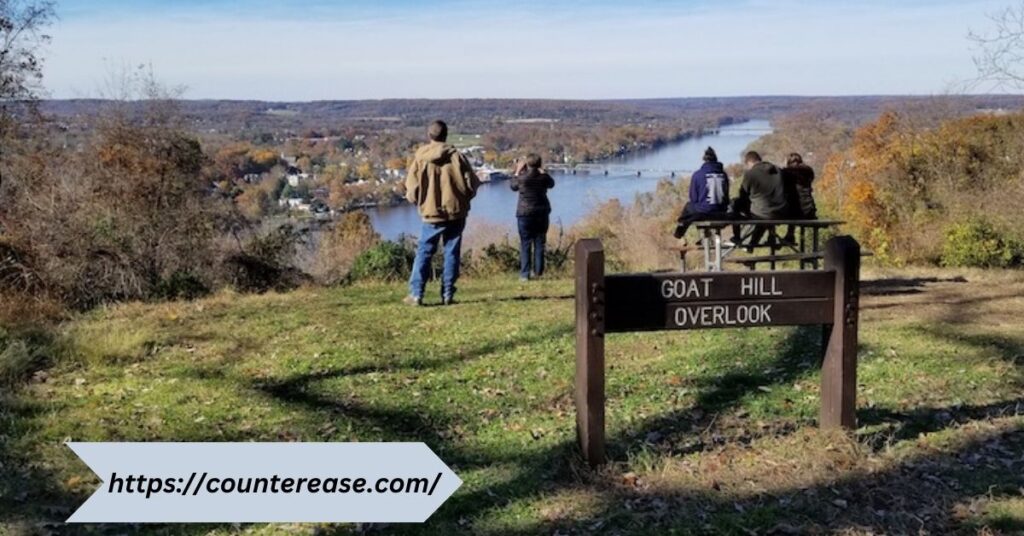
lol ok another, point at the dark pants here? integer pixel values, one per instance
(755, 235)
(691, 215)
(791, 231)
(533, 232)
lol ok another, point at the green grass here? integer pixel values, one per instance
(710, 431)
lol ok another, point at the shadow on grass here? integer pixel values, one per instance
(673, 432)
(1005, 348)
(882, 502)
(30, 493)
(889, 501)
(545, 470)
(956, 308)
(1009, 349)
(906, 425)
(911, 424)
(886, 501)
(390, 364)
(899, 286)
(563, 297)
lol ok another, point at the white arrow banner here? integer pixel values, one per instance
(264, 482)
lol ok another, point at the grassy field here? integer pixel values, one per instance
(710, 432)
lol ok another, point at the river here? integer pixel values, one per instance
(576, 195)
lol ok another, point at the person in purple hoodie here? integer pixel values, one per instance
(709, 195)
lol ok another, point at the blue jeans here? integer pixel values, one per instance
(533, 232)
(430, 234)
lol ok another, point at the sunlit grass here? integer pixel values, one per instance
(712, 426)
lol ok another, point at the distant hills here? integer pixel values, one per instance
(482, 113)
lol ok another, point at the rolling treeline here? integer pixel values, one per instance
(483, 114)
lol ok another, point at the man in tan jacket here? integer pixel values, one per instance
(441, 183)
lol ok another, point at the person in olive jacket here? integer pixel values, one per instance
(533, 212)
(762, 196)
(441, 182)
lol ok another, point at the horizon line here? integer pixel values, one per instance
(558, 99)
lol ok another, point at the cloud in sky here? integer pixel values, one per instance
(556, 49)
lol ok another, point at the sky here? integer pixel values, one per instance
(319, 50)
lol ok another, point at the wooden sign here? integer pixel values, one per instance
(648, 302)
(654, 302)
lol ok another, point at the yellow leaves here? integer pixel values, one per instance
(254, 203)
(899, 183)
(862, 192)
(238, 159)
(264, 158)
(365, 171)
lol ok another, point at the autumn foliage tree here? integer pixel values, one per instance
(258, 201)
(352, 235)
(815, 134)
(901, 187)
(128, 215)
(237, 160)
(152, 200)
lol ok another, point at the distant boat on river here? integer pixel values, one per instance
(489, 174)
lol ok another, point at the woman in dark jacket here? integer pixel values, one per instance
(533, 212)
(797, 179)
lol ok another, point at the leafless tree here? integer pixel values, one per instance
(999, 52)
(21, 37)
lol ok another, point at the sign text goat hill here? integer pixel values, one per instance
(652, 302)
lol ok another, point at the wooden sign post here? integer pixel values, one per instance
(655, 302)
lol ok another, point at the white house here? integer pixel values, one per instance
(295, 203)
(294, 180)
(295, 176)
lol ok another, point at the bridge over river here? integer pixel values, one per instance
(618, 170)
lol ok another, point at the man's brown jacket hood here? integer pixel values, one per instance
(441, 182)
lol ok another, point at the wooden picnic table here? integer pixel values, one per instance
(806, 248)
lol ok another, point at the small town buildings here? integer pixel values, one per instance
(295, 176)
(295, 203)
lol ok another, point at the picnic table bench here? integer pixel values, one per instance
(805, 248)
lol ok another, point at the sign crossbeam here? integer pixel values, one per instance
(651, 302)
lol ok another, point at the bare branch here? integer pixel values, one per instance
(999, 53)
(21, 36)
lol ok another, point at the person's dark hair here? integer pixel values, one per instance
(794, 159)
(752, 157)
(710, 155)
(438, 131)
(533, 161)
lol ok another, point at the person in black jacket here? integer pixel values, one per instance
(533, 212)
(797, 178)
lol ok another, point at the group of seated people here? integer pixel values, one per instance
(766, 193)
